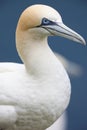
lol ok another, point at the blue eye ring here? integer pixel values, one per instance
(45, 21)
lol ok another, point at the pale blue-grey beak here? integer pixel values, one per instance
(59, 29)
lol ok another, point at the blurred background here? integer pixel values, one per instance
(74, 14)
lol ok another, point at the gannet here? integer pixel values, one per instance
(34, 95)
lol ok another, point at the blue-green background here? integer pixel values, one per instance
(74, 14)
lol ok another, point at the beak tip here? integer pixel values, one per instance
(83, 42)
(80, 39)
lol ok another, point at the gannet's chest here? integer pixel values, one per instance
(37, 103)
(42, 104)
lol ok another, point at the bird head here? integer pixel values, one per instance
(42, 21)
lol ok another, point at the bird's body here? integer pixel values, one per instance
(33, 100)
(34, 95)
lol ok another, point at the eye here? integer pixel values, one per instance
(45, 21)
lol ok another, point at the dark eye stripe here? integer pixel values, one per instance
(45, 22)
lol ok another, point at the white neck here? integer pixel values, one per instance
(37, 56)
